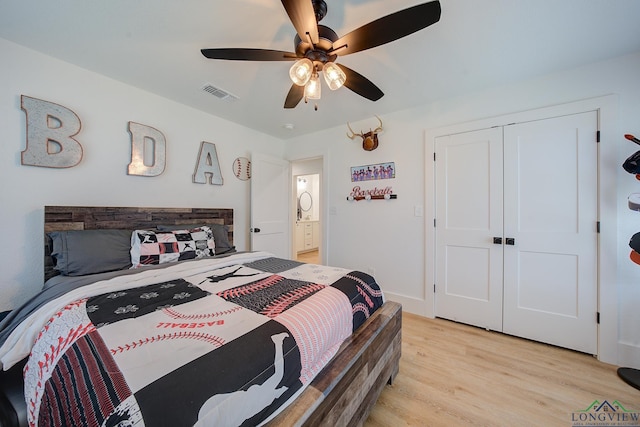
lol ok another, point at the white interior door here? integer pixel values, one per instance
(534, 185)
(550, 210)
(468, 217)
(270, 205)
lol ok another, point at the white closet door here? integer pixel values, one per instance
(469, 214)
(550, 210)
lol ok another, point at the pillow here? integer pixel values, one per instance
(220, 235)
(159, 247)
(82, 252)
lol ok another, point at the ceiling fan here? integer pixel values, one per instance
(317, 47)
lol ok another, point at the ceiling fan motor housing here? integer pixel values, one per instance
(318, 53)
(320, 9)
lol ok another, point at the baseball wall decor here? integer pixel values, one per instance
(375, 193)
(242, 168)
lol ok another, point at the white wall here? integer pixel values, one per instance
(104, 107)
(389, 238)
(379, 236)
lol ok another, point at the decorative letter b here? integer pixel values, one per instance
(50, 131)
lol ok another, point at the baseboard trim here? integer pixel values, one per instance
(629, 355)
(409, 304)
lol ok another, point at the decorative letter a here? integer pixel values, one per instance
(208, 165)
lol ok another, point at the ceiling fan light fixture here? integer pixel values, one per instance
(333, 75)
(301, 71)
(312, 90)
(317, 46)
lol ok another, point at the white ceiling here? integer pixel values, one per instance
(155, 45)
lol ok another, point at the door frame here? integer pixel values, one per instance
(607, 109)
(294, 204)
(324, 210)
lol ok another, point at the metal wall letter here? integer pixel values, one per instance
(50, 131)
(208, 167)
(141, 134)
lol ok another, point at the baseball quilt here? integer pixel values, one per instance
(213, 342)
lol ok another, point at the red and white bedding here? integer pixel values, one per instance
(214, 342)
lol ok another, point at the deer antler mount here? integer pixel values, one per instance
(369, 139)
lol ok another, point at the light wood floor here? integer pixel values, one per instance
(452, 374)
(311, 257)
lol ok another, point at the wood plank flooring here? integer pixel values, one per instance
(458, 375)
(311, 257)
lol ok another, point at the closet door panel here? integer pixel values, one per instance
(550, 210)
(468, 216)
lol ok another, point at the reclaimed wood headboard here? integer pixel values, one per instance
(60, 218)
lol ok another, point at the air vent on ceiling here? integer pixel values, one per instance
(219, 93)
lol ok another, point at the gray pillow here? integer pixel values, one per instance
(220, 235)
(81, 252)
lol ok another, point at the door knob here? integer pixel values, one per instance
(255, 230)
(510, 241)
(497, 240)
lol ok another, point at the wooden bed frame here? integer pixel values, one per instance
(342, 394)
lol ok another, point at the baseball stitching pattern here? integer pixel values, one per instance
(366, 297)
(360, 307)
(250, 288)
(364, 284)
(289, 299)
(211, 339)
(174, 314)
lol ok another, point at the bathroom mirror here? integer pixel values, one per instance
(305, 201)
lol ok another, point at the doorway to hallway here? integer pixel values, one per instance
(307, 219)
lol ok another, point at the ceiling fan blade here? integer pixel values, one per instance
(303, 18)
(295, 95)
(388, 28)
(360, 84)
(241, 54)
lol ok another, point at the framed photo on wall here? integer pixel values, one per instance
(373, 172)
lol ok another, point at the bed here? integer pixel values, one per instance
(332, 378)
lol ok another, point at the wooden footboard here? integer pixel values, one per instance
(345, 391)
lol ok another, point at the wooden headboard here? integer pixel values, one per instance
(60, 218)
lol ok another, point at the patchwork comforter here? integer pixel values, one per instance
(215, 342)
